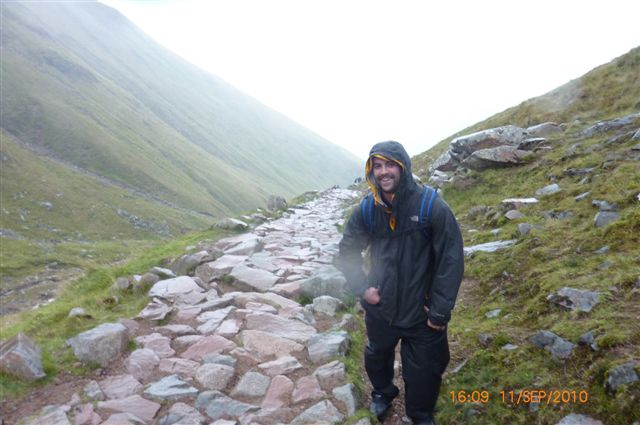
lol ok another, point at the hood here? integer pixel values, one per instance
(396, 152)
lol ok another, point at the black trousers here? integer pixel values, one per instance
(425, 355)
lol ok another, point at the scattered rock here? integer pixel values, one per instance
(577, 419)
(213, 376)
(101, 344)
(170, 388)
(575, 299)
(20, 357)
(604, 218)
(141, 363)
(252, 384)
(604, 205)
(327, 305)
(324, 347)
(281, 366)
(278, 393)
(493, 313)
(321, 412)
(326, 281)
(488, 247)
(485, 339)
(498, 157)
(218, 405)
(588, 339)
(548, 190)
(621, 375)
(170, 289)
(582, 196)
(514, 215)
(120, 386)
(349, 397)
(232, 224)
(163, 273)
(144, 409)
(558, 347)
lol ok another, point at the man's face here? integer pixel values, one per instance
(387, 174)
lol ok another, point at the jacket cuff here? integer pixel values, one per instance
(438, 319)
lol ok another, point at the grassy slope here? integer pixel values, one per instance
(518, 280)
(171, 144)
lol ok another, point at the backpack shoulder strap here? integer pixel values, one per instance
(428, 197)
(367, 210)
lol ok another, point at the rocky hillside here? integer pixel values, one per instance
(549, 202)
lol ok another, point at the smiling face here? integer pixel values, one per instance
(386, 174)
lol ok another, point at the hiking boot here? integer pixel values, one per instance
(380, 406)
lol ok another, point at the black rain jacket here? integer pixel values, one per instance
(414, 265)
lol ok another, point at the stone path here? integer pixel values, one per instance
(229, 345)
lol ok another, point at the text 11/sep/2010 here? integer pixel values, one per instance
(522, 397)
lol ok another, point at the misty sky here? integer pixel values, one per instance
(362, 71)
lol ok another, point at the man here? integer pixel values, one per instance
(416, 268)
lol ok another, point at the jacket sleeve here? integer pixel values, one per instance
(354, 240)
(449, 263)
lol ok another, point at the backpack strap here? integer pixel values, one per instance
(367, 210)
(430, 194)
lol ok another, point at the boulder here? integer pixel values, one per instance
(325, 346)
(170, 289)
(141, 363)
(253, 279)
(444, 162)
(548, 190)
(488, 247)
(232, 224)
(621, 375)
(603, 218)
(186, 264)
(575, 299)
(327, 305)
(326, 281)
(219, 268)
(510, 135)
(19, 356)
(498, 157)
(545, 129)
(348, 395)
(101, 344)
(609, 125)
(558, 347)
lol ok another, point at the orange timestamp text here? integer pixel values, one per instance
(524, 396)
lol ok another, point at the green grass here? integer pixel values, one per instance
(50, 327)
(519, 279)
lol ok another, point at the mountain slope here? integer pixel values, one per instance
(512, 302)
(84, 85)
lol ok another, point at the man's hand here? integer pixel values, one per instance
(431, 324)
(372, 295)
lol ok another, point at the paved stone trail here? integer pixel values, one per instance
(216, 350)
